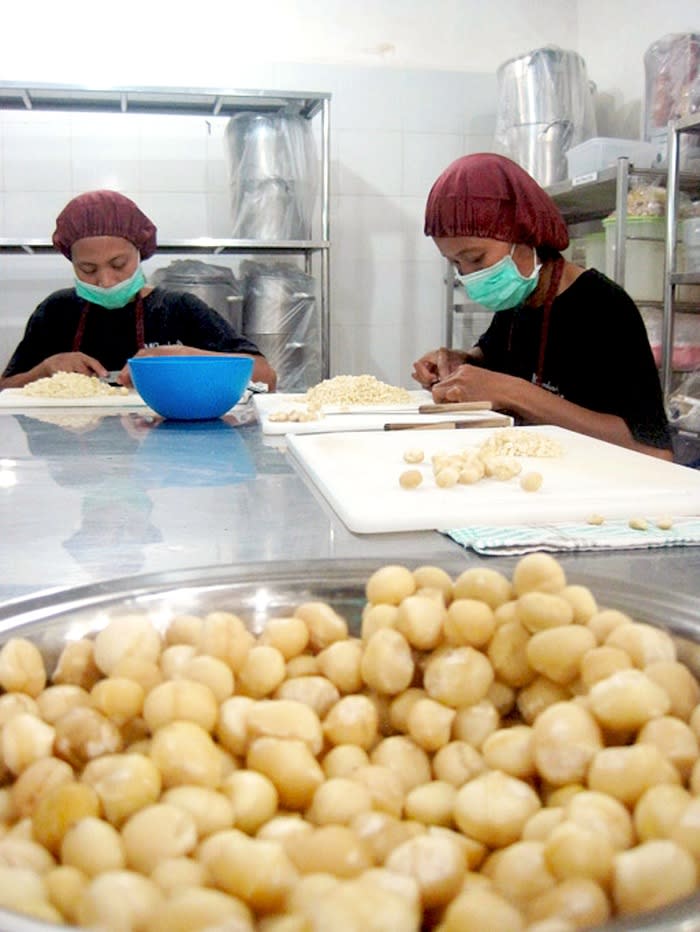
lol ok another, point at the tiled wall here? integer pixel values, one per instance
(392, 132)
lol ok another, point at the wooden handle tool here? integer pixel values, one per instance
(448, 407)
(447, 425)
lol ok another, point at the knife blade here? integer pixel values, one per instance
(111, 378)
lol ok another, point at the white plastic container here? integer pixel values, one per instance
(601, 152)
(691, 243)
(594, 251)
(645, 256)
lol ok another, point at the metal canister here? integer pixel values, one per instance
(216, 285)
(545, 106)
(272, 173)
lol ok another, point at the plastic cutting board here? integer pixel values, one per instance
(358, 474)
(15, 398)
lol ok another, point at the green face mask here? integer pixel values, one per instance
(501, 285)
(118, 295)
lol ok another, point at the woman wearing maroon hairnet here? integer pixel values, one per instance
(111, 313)
(566, 346)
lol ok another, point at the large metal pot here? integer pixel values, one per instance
(280, 316)
(216, 285)
(545, 106)
(272, 171)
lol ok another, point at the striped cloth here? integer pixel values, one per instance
(612, 535)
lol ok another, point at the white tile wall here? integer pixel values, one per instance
(392, 132)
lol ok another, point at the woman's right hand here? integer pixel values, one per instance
(72, 362)
(438, 365)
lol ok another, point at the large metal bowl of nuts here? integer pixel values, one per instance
(351, 745)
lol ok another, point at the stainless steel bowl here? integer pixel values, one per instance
(258, 591)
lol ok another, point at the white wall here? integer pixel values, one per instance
(161, 43)
(413, 86)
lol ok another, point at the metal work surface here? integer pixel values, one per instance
(92, 494)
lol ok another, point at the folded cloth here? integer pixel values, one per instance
(612, 535)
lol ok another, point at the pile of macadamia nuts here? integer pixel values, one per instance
(490, 753)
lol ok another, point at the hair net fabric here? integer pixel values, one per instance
(104, 213)
(490, 196)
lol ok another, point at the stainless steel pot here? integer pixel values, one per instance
(216, 285)
(545, 106)
(272, 171)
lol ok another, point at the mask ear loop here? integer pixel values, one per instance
(536, 266)
(557, 271)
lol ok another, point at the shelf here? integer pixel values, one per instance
(594, 198)
(204, 102)
(200, 244)
(223, 102)
(689, 124)
(672, 277)
(685, 278)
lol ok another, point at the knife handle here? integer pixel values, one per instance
(448, 407)
(447, 425)
(420, 425)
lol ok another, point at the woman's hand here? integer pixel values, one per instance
(71, 362)
(60, 362)
(473, 383)
(436, 366)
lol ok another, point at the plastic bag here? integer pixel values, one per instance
(684, 403)
(280, 314)
(273, 171)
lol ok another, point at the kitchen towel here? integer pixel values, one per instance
(612, 535)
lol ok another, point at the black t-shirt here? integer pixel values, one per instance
(597, 356)
(170, 317)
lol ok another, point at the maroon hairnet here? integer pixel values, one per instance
(492, 197)
(104, 213)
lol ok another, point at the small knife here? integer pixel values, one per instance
(448, 425)
(111, 378)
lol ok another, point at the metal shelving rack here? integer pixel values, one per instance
(672, 277)
(592, 197)
(205, 102)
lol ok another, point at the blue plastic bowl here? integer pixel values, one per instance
(190, 388)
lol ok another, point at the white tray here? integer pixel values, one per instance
(358, 473)
(15, 398)
(352, 417)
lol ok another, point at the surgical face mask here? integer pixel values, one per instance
(501, 285)
(118, 295)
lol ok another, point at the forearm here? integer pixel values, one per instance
(21, 378)
(538, 406)
(263, 372)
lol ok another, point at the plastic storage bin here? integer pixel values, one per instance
(602, 151)
(691, 243)
(645, 256)
(594, 251)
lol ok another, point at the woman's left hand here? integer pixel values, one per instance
(473, 383)
(176, 349)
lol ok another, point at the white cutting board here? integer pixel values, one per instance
(353, 417)
(359, 475)
(16, 398)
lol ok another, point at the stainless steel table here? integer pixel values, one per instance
(89, 494)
